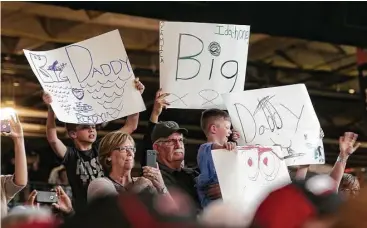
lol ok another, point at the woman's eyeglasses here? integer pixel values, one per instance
(125, 149)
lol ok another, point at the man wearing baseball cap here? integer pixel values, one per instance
(168, 141)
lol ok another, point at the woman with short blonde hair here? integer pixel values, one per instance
(116, 155)
(108, 144)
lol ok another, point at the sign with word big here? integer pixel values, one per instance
(199, 62)
(280, 116)
(90, 82)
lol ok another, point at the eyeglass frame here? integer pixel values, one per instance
(125, 149)
(349, 190)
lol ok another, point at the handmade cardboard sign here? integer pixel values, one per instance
(279, 116)
(199, 62)
(90, 82)
(248, 174)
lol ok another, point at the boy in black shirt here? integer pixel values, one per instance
(81, 160)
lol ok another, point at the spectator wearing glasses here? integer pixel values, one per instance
(168, 141)
(116, 155)
(349, 186)
(348, 145)
(80, 160)
(167, 138)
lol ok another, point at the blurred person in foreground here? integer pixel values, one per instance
(116, 155)
(128, 209)
(352, 214)
(221, 214)
(12, 184)
(22, 215)
(312, 203)
(63, 204)
(33, 214)
(132, 209)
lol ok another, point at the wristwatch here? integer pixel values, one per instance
(163, 190)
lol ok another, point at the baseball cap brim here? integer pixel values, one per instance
(162, 131)
(183, 131)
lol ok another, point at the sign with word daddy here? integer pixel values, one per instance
(280, 116)
(199, 62)
(247, 175)
(90, 82)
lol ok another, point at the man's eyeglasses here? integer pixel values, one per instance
(171, 142)
(125, 149)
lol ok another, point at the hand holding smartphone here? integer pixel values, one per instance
(7, 117)
(46, 197)
(5, 126)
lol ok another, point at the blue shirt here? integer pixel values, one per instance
(208, 175)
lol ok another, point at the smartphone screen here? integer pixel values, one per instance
(5, 126)
(151, 159)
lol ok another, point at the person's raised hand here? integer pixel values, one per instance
(155, 176)
(47, 98)
(348, 144)
(64, 203)
(139, 86)
(16, 129)
(160, 102)
(31, 201)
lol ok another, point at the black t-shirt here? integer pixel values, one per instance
(82, 167)
(185, 179)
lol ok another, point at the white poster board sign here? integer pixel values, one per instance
(90, 82)
(248, 175)
(199, 62)
(280, 116)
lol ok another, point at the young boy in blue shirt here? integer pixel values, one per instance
(216, 125)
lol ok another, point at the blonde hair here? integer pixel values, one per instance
(108, 143)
